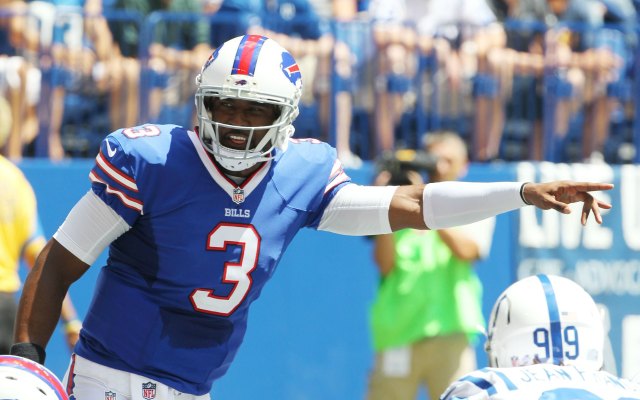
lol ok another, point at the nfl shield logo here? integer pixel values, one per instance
(238, 195)
(149, 391)
(109, 396)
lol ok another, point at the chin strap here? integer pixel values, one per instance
(283, 140)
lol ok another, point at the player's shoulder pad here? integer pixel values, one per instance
(301, 173)
(149, 142)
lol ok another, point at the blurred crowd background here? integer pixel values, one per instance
(553, 80)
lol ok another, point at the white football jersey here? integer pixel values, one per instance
(541, 382)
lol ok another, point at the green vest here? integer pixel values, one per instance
(428, 293)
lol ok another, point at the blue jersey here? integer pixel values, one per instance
(6, 47)
(171, 304)
(541, 382)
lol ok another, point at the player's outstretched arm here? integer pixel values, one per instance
(447, 204)
(559, 194)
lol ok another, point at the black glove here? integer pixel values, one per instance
(32, 351)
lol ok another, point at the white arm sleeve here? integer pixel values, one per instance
(89, 228)
(448, 204)
(359, 210)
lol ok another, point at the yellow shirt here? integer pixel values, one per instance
(19, 228)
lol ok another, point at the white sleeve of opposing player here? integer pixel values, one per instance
(476, 385)
(89, 228)
(461, 390)
(359, 210)
(448, 204)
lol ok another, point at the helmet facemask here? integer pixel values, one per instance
(240, 159)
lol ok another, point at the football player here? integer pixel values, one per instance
(197, 221)
(545, 341)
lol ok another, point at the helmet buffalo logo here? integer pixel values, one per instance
(211, 58)
(290, 68)
(241, 82)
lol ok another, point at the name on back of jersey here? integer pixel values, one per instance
(549, 373)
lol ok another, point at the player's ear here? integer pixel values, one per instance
(208, 103)
(277, 110)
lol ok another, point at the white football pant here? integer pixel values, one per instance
(86, 380)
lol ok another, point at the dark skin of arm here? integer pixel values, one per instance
(44, 290)
(56, 268)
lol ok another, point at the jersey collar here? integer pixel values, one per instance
(229, 186)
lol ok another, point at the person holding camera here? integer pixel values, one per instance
(428, 307)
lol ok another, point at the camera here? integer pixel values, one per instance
(399, 162)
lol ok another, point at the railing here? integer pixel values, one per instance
(549, 112)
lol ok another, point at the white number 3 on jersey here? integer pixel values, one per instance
(238, 274)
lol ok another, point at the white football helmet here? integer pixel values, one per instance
(253, 68)
(545, 319)
(23, 379)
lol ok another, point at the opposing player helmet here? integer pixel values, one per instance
(252, 68)
(23, 379)
(545, 319)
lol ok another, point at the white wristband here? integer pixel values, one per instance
(447, 204)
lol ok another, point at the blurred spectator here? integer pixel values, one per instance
(123, 67)
(586, 56)
(608, 65)
(428, 306)
(349, 63)
(179, 37)
(583, 64)
(453, 38)
(233, 18)
(19, 76)
(21, 239)
(515, 75)
(74, 45)
(6, 121)
(395, 66)
(459, 35)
